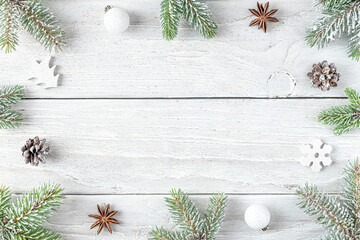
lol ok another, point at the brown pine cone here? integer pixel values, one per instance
(324, 76)
(35, 151)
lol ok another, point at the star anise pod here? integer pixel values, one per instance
(104, 219)
(263, 16)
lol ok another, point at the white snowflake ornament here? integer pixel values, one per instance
(44, 74)
(316, 155)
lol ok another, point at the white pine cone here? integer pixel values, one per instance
(35, 151)
(324, 76)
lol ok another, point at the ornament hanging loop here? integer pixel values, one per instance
(108, 7)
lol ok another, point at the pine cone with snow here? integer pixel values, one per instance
(324, 76)
(35, 151)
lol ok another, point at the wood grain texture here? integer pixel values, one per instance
(137, 150)
(138, 214)
(240, 62)
(151, 146)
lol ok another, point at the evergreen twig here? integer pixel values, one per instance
(191, 224)
(184, 212)
(351, 194)
(195, 12)
(341, 218)
(40, 233)
(214, 215)
(198, 15)
(9, 118)
(35, 18)
(345, 118)
(5, 198)
(10, 95)
(23, 219)
(330, 213)
(160, 233)
(339, 18)
(354, 44)
(170, 18)
(8, 27)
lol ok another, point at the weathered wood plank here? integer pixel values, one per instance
(151, 146)
(241, 61)
(138, 214)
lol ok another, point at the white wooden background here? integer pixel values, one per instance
(135, 116)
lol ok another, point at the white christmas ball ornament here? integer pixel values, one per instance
(116, 20)
(257, 217)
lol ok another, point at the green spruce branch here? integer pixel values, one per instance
(345, 118)
(23, 219)
(339, 18)
(191, 224)
(35, 19)
(339, 216)
(195, 12)
(8, 26)
(198, 15)
(170, 18)
(354, 44)
(214, 216)
(10, 95)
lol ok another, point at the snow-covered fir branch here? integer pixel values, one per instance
(195, 12)
(10, 95)
(339, 18)
(339, 216)
(191, 225)
(23, 218)
(36, 19)
(344, 118)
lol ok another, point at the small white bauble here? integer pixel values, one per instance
(116, 20)
(257, 217)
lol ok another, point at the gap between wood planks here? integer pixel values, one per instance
(190, 194)
(190, 98)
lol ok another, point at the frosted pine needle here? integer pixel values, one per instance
(191, 224)
(339, 216)
(35, 19)
(23, 219)
(345, 118)
(195, 12)
(339, 18)
(10, 95)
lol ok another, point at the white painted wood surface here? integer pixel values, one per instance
(135, 116)
(151, 146)
(240, 62)
(138, 214)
